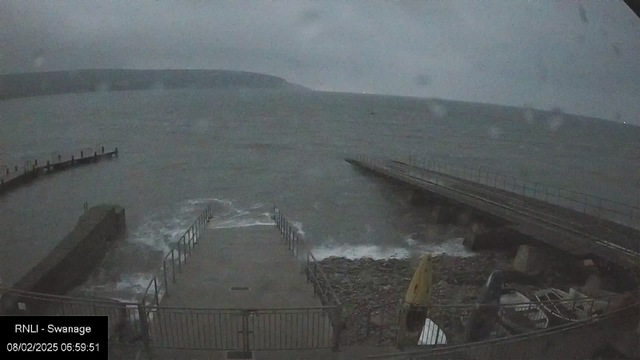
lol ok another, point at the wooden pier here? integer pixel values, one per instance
(13, 177)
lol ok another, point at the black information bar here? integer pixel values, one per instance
(43, 337)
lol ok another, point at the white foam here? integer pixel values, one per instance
(240, 223)
(160, 233)
(360, 251)
(298, 226)
(137, 281)
(452, 247)
(241, 219)
(128, 288)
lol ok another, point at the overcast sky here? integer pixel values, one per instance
(584, 58)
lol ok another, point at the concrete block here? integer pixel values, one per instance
(529, 260)
(479, 237)
(593, 282)
(442, 214)
(588, 263)
(69, 263)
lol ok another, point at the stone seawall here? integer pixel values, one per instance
(75, 257)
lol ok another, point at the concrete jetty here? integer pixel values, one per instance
(72, 260)
(577, 233)
(244, 292)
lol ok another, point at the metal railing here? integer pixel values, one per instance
(173, 261)
(241, 329)
(588, 204)
(297, 246)
(290, 235)
(569, 341)
(598, 207)
(314, 274)
(385, 324)
(124, 317)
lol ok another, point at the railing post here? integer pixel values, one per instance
(184, 248)
(166, 283)
(173, 266)
(155, 285)
(144, 328)
(337, 327)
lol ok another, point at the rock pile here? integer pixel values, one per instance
(372, 290)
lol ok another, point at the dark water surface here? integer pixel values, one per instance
(245, 150)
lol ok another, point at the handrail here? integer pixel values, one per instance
(51, 297)
(322, 286)
(578, 300)
(587, 204)
(580, 202)
(448, 349)
(183, 249)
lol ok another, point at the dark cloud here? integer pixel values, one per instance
(536, 52)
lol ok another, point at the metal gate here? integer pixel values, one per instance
(241, 329)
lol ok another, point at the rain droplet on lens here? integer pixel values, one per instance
(437, 110)
(494, 132)
(556, 119)
(616, 49)
(158, 86)
(422, 80)
(103, 86)
(583, 13)
(38, 62)
(310, 15)
(528, 116)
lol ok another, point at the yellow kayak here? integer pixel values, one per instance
(419, 292)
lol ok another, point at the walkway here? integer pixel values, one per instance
(574, 232)
(229, 260)
(241, 289)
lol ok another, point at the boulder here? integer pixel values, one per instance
(530, 260)
(594, 282)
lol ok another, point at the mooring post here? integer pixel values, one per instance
(103, 149)
(116, 152)
(72, 160)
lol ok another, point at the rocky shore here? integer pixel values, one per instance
(372, 290)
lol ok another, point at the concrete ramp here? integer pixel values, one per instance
(241, 289)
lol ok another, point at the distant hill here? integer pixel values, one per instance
(79, 81)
